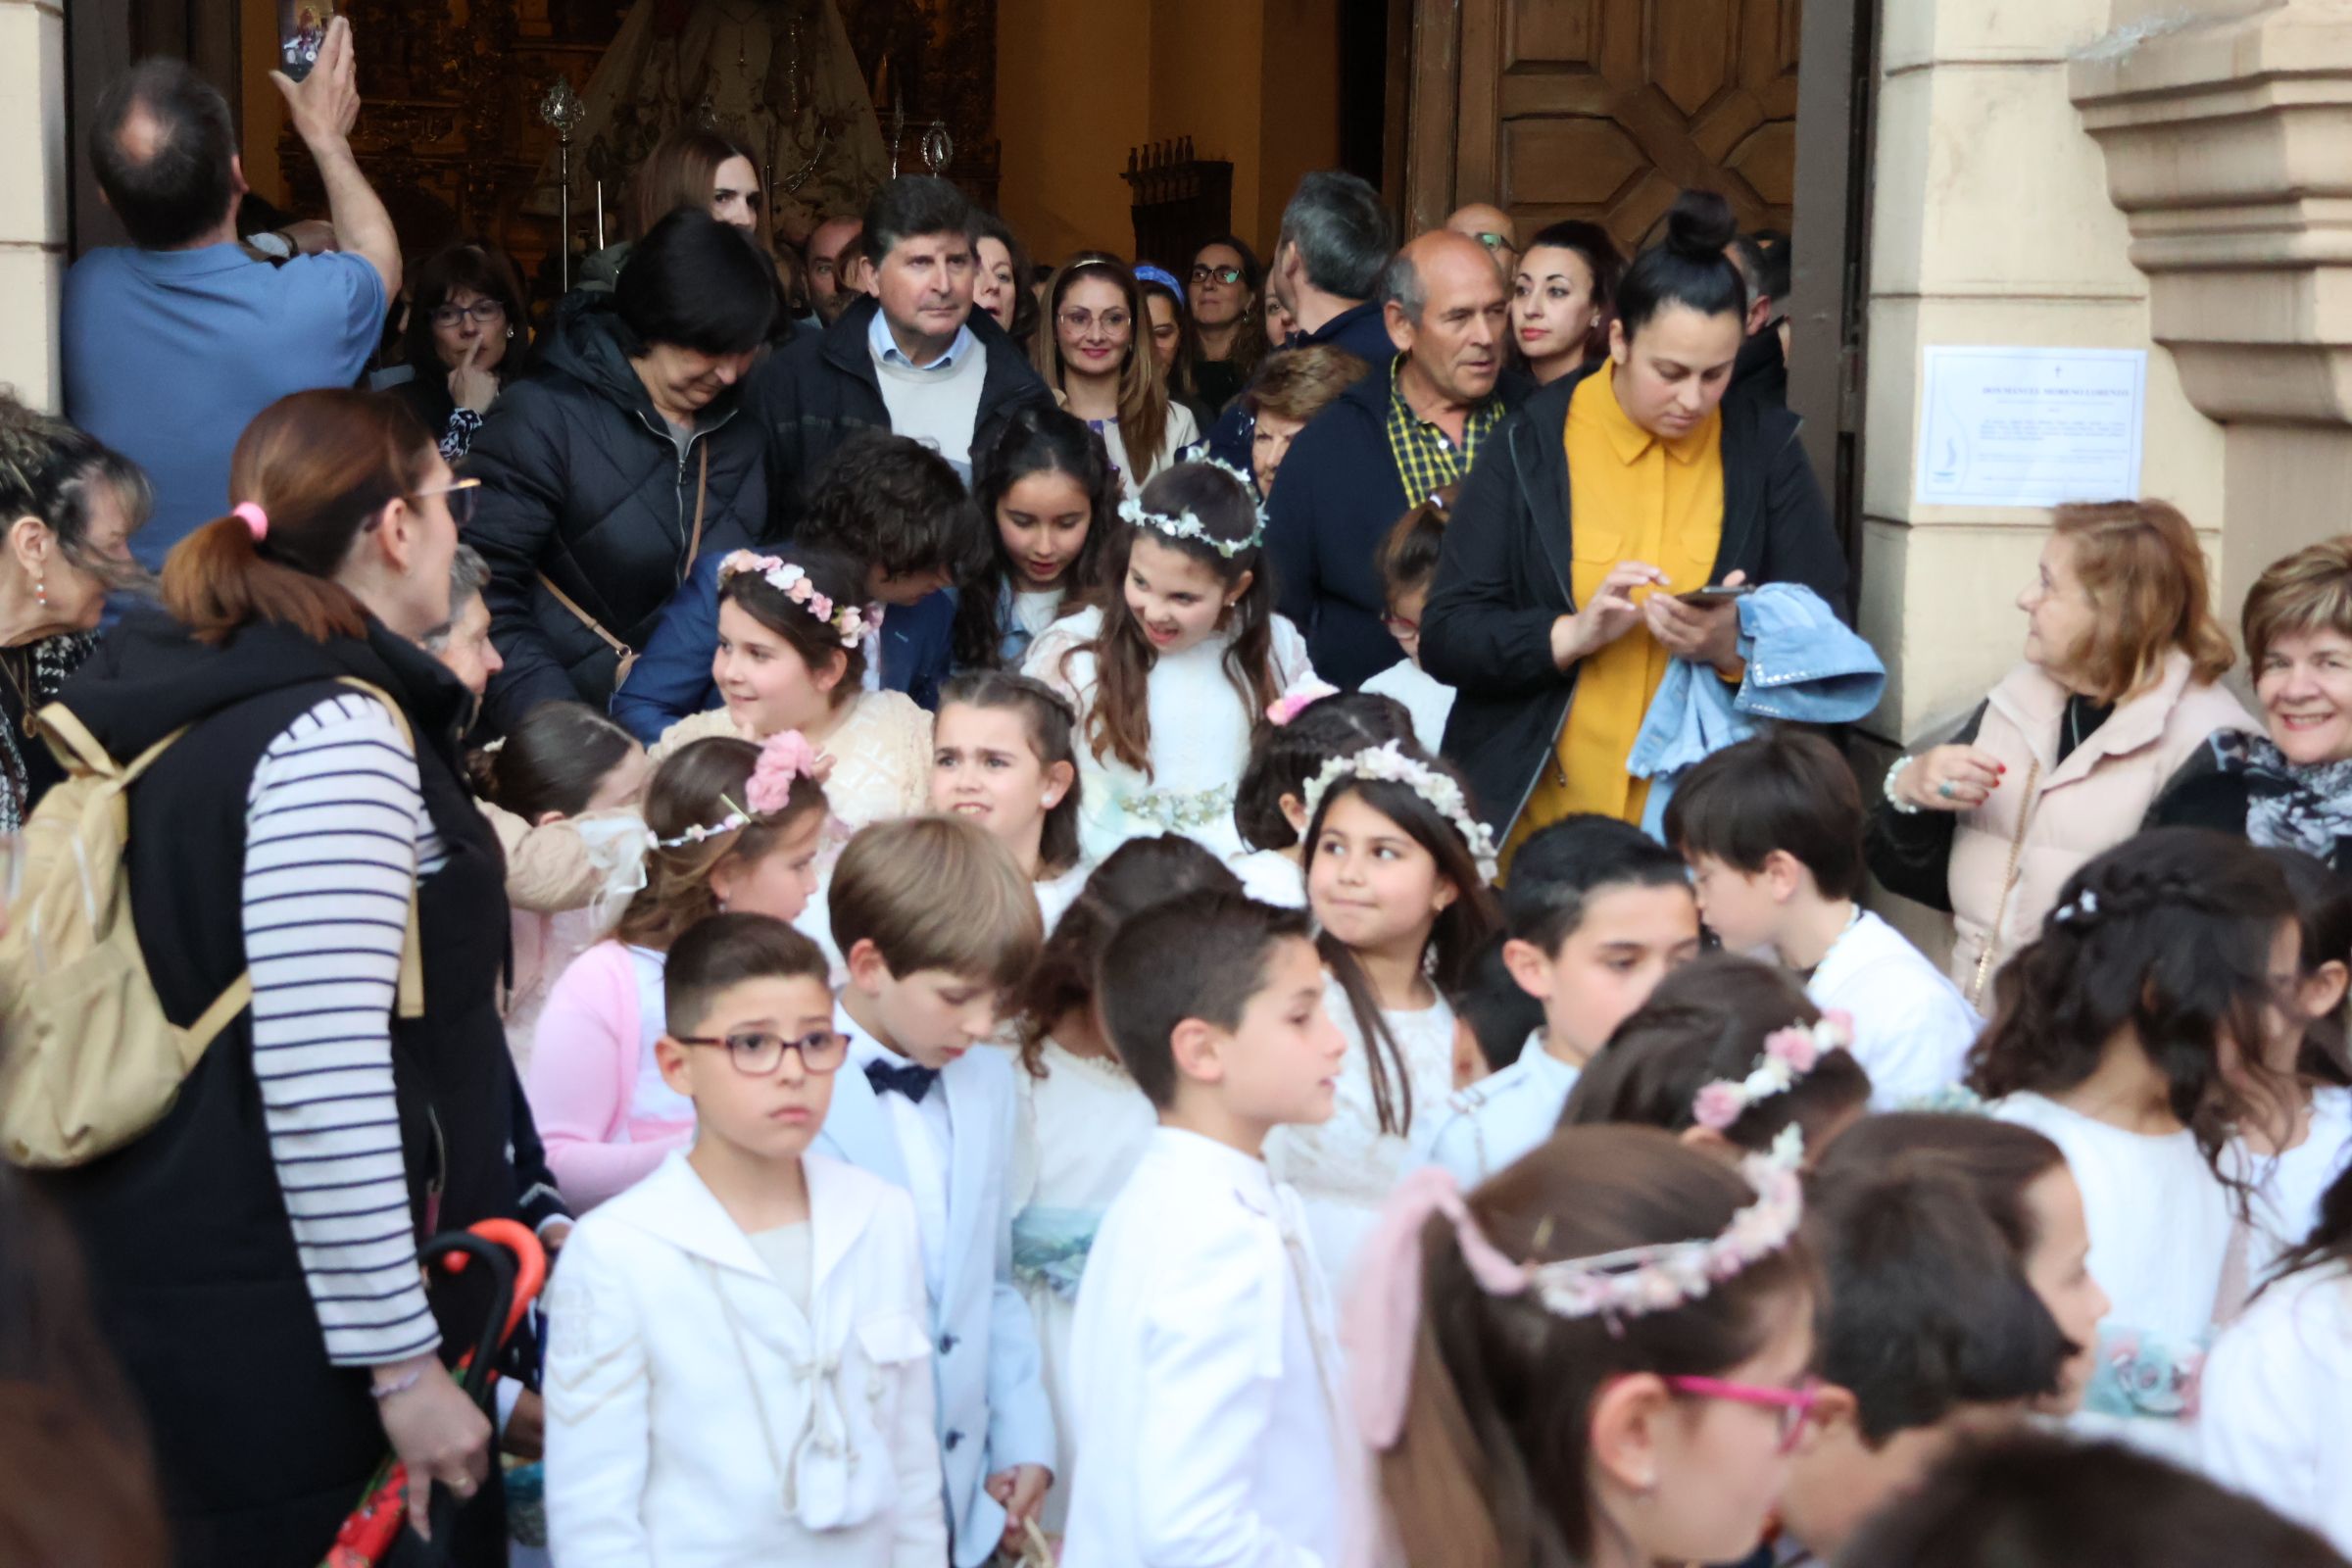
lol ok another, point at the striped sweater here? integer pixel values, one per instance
(336, 833)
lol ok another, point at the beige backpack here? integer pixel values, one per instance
(87, 1059)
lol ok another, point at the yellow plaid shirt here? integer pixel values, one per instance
(1426, 458)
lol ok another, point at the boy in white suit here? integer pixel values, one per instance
(935, 921)
(739, 1369)
(1212, 1426)
(1773, 830)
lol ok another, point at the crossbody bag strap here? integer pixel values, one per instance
(2000, 913)
(411, 948)
(702, 493)
(596, 628)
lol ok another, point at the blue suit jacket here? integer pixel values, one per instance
(993, 1412)
(671, 680)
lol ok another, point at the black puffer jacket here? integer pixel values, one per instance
(822, 387)
(584, 483)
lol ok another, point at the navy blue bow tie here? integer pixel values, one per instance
(912, 1081)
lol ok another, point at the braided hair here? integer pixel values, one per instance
(48, 469)
(2168, 935)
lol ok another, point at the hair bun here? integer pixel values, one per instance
(1701, 224)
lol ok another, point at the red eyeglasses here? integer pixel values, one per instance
(1795, 1405)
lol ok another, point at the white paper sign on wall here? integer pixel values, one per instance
(2029, 426)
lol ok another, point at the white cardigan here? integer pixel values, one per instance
(696, 1418)
(2277, 1393)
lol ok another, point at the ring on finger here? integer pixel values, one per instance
(1949, 790)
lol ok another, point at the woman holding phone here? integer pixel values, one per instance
(1573, 566)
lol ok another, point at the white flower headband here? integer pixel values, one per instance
(783, 758)
(853, 622)
(1789, 1055)
(1186, 525)
(1389, 764)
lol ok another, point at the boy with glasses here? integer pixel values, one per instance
(739, 1369)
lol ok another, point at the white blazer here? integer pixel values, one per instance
(696, 1418)
(993, 1410)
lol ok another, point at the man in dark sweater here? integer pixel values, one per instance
(915, 358)
(1410, 426)
(1326, 269)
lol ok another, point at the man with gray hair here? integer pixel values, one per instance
(1385, 446)
(462, 642)
(1335, 243)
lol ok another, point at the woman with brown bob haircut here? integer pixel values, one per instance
(309, 828)
(2117, 688)
(1291, 389)
(2290, 788)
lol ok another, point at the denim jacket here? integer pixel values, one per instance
(1805, 665)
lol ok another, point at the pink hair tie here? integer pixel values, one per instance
(256, 519)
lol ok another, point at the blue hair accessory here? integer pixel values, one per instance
(1145, 272)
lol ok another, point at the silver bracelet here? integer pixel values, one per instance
(401, 1385)
(1894, 776)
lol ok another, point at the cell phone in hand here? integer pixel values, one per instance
(301, 30)
(1722, 593)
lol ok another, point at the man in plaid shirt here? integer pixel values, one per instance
(1385, 445)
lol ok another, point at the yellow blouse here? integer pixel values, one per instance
(1633, 496)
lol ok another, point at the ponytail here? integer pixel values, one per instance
(310, 473)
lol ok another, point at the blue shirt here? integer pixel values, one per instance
(1503, 1115)
(886, 348)
(168, 354)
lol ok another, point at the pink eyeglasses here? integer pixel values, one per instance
(1796, 1405)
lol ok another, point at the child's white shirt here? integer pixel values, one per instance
(2277, 1390)
(1501, 1116)
(700, 1416)
(2160, 1224)
(1206, 1375)
(2285, 1189)
(1200, 731)
(1343, 1169)
(1429, 700)
(1912, 1026)
(1271, 877)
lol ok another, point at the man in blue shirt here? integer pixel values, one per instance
(173, 343)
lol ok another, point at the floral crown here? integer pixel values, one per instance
(783, 758)
(1384, 1310)
(1187, 525)
(1789, 1055)
(1388, 762)
(851, 621)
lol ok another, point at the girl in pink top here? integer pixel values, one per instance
(735, 826)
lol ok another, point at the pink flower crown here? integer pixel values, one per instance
(1384, 1311)
(1789, 1055)
(783, 758)
(852, 622)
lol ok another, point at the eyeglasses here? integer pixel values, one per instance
(1113, 321)
(486, 312)
(1493, 242)
(461, 495)
(756, 1054)
(1795, 1405)
(1217, 274)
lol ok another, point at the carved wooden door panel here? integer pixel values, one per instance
(1602, 109)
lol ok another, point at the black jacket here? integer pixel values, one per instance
(1334, 502)
(261, 1446)
(822, 386)
(583, 482)
(1509, 557)
(1361, 329)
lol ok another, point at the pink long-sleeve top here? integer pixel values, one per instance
(605, 1113)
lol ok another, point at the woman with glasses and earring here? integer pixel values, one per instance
(70, 506)
(308, 833)
(1229, 342)
(467, 330)
(1091, 355)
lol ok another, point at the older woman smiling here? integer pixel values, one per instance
(2293, 786)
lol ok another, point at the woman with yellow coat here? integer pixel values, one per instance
(1614, 491)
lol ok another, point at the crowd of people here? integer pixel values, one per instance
(1130, 912)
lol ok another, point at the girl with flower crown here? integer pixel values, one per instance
(1729, 1055)
(1397, 872)
(734, 826)
(1171, 670)
(791, 629)
(1598, 1356)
